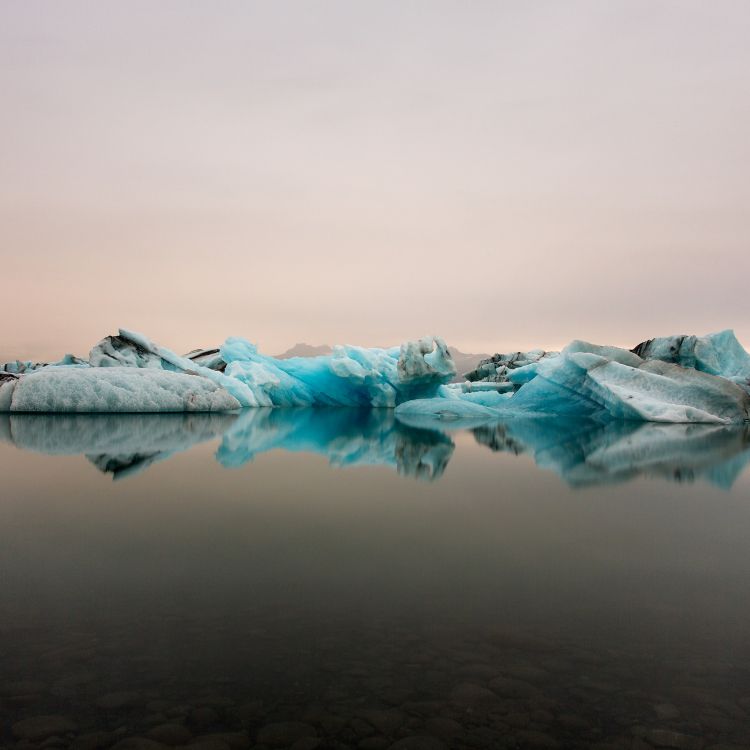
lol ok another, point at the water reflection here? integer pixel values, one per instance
(581, 452)
(585, 453)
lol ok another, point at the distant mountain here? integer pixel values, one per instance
(305, 350)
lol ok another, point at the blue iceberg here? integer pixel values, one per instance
(605, 382)
(677, 379)
(130, 373)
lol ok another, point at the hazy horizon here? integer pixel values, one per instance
(507, 176)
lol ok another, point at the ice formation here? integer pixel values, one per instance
(73, 389)
(498, 367)
(587, 380)
(677, 379)
(717, 354)
(236, 373)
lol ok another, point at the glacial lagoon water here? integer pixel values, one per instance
(337, 579)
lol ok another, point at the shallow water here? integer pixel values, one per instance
(282, 573)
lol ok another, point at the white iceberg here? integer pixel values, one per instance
(121, 389)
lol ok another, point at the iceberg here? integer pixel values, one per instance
(350, 376)
(717, 354)
(73, 389)
(680, 379)
(130, 373)
(498, 367)
(602, 382)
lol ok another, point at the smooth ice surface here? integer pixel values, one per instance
(61, 389)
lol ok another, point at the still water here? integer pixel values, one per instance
(338, 579)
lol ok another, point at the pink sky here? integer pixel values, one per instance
(507, 175)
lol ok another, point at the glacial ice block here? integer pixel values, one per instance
(586, 379)
(116, 389)
(716, 353)
(603, 382)
(350, 376)
(499, 367)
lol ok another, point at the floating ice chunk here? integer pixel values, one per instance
(590, 380)
(124, 351)
(72, 389)
(7, 387)
(717, 354)
(499, 367)
(587, 378)
(350, 376)
(19, 367)
(420, 361)
(136, 350)
(210, 358)
(419, 411)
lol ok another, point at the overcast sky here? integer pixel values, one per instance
(505, 174)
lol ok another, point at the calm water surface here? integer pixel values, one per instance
(337, 579)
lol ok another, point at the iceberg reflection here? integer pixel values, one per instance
(585, 452)
(118, 444)
(348, 437)
(582, 452)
